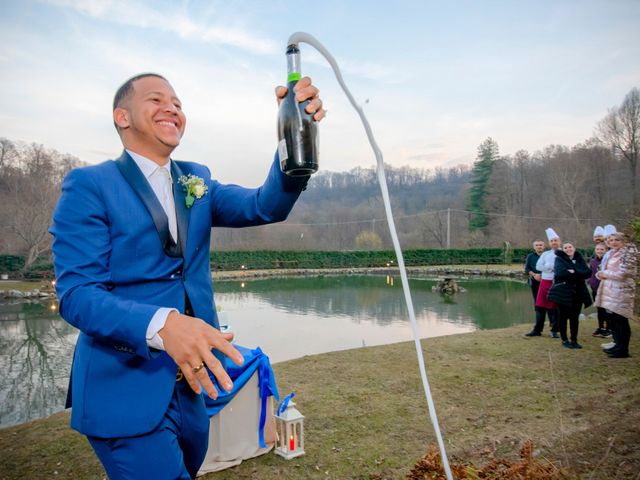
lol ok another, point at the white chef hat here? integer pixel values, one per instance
(598, 232)
(551, 234)
(609, 230)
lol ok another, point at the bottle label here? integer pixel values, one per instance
(282, 150)
(294, 77)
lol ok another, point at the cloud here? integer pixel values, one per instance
(173, 21)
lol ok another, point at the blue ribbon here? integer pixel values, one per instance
(284, 403)
(254, 360)
(264, 377)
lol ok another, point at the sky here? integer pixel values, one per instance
(435, 78)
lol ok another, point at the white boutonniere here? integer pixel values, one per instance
(194, 187)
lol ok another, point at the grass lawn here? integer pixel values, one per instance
(366, 415)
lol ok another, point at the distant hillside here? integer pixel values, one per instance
(570, 189)
(411, 190)
(338, 207)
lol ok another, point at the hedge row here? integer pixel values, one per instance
(13, 265)
(264, 259)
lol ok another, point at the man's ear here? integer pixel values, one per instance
(121, 117)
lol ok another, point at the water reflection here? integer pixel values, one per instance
(36, 348)
(293, 317)
(486, 304)
(288, 318)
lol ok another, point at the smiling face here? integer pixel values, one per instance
(600, 250)
(569, 249)
(150, 120)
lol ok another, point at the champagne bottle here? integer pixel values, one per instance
(297, 130)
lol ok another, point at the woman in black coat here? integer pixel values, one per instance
(570, 273)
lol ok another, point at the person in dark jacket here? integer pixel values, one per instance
(570, 273)
(533, 278)
(594, 264)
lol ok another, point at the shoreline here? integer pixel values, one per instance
(500, 271)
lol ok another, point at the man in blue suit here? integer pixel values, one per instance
(131, 254)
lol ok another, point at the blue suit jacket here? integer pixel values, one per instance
(116, 265)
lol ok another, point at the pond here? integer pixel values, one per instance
(287, 317)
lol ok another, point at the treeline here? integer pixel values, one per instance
(572, 189)
(30, 179)
(502, 200)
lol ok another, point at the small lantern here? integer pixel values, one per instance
(290, 429)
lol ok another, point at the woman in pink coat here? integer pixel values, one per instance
(617, 291)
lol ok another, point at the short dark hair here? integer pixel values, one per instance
(127, 88)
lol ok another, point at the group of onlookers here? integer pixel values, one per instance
(559, 276)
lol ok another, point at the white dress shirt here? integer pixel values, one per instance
(159, 177)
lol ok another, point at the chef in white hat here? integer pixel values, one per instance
(545, 267)
(598, 235)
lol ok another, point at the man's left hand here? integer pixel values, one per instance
(305, 90)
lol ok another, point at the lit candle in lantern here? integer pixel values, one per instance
(289, 423)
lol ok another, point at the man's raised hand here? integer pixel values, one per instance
(305, 90)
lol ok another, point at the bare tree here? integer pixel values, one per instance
(519, 165)
(31, 177)
(621, 129)
(570, 185)
(8, 154)
(438, 228)
(368, 240)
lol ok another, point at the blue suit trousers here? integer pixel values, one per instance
(175, 449)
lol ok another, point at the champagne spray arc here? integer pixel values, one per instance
(303, 37)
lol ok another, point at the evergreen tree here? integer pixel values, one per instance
(480, 174)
